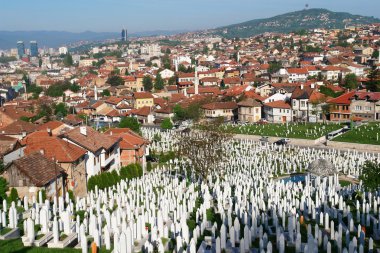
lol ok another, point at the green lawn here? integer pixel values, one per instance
(16, 246)
(309, 131)
(366, 134)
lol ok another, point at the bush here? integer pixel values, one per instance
(3, 189)
(71, 195)
(108, 179)
(149, 166)
(166, 124)
(13, 196)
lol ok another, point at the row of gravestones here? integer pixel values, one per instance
(258, 206)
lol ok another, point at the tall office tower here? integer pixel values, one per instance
(20, 48)
(33, 48)
(123, 35)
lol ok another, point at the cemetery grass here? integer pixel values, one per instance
(16, 246)
(363, 135)
(309, 131)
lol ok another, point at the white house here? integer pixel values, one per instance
(297, 74)
(166, 73)
(103, 151)
(277, 112)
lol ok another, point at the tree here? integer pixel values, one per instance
(131, 123)
(374, 80)
(370, 175)
(74, 87)
(68, 60)
(147, 83)
(106, 93)
(13, 196)
(115, 80)
(192, 112)
(172, 80)
(274, 66)
(205, 148)
(159, 82)
(60, 110)
(3, 189)
(166, 124)
(182, 68)
(375, 54)
(351, 81)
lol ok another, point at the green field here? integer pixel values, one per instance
(16, 246)
(366, 134)
(309, 131)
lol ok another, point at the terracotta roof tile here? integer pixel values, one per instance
(38, 168)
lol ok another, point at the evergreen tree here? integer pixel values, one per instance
(147, 83)
(68, 60)
(159, 82)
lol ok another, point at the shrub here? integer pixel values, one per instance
(108, 179)
(13, 196)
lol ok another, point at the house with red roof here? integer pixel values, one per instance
(297, 74)
(365, 106)
(133, 147)
(227, 110)
(340, 107)
(277, 112)
(68, 156)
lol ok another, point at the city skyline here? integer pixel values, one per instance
(150, 15)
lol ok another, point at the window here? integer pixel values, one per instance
(303, 103)
(358, 108)
(294, 102)
(367, 108)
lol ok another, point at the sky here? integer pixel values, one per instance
(152, 15)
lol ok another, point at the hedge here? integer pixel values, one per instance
(108, 179)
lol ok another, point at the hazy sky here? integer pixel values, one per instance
(148, 15)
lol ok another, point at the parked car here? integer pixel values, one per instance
(282, 142)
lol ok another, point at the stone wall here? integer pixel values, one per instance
(293, 141)
(357, 146)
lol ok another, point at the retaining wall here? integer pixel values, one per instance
(349, 145)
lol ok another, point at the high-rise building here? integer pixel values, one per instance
(124, 34)
(20, 48)
(33, 48)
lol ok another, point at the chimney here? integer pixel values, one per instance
(111, 133)
(83, 130)
(49, 131)
(42, 151)
(312, 85)
(301, 86)
(23, 134)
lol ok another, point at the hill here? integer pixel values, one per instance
(294, 21)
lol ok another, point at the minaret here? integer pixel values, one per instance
(238, 57)
(176, 64)
(196, 82)
(96, 92)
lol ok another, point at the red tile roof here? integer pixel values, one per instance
(54, 147)
(92, 141)
(220, 105)
(39, 169)
(344, 99)
(278, 104)
(142, 95)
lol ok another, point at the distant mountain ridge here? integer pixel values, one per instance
(294, 21)
(8, 39)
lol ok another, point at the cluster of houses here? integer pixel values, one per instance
(61, 155)
(273, 77)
